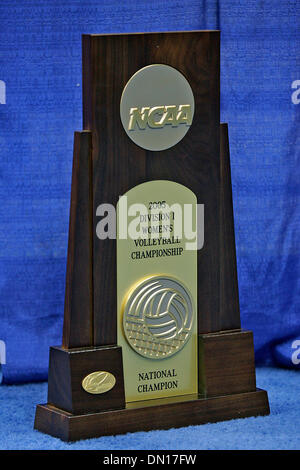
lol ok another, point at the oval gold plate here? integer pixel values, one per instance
(98, 382)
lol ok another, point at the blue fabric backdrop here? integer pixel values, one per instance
(40, 107)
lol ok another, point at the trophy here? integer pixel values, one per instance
(152, 336)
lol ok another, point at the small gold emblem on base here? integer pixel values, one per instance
(98, 382)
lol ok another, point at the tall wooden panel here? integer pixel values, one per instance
(119, 164)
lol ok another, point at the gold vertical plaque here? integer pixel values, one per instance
(157, 291)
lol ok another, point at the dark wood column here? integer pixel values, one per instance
(119, 164)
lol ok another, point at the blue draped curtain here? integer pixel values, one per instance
(40, 107)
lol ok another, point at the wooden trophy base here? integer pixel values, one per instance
(227, 391)
(155, 414)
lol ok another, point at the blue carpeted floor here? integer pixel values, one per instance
(280, 430)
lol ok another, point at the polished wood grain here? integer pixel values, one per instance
(109, 61)
(68, 368)
(229, 316)
(78, 314)
(78, 318)
(190, 411)
(226, 363)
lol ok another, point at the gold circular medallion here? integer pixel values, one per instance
(158, 316)
(157, 107)
(98, 382)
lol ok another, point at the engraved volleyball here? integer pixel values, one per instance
(158, 317)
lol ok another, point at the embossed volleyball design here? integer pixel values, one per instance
(158, 317)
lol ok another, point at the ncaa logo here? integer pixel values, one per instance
(157, 107)
(165, 115)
